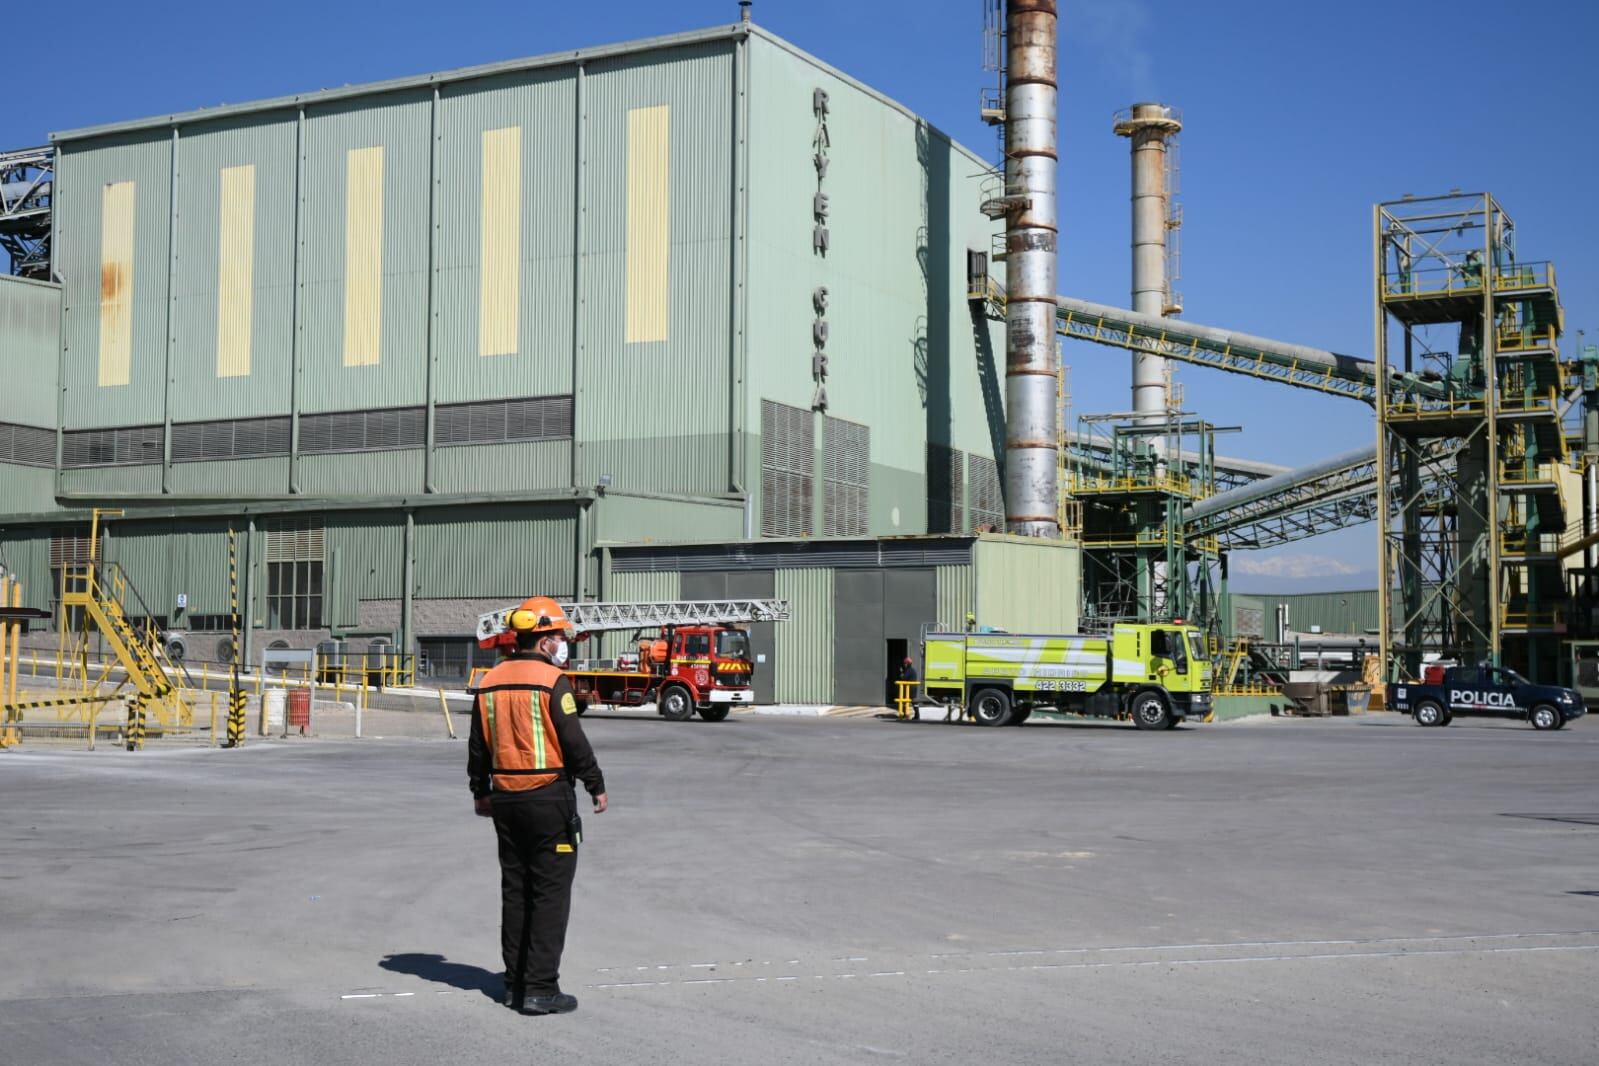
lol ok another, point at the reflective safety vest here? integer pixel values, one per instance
(513, 702)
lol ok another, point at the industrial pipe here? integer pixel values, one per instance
(1149, 127)
(1031, 232)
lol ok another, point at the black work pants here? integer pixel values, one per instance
(537, 863)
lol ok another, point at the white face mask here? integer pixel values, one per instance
(560, 655)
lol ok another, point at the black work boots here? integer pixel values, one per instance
(555, 1003)
(517, 999)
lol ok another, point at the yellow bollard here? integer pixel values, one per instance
(214, 738)
(16, 641)
(449, 723)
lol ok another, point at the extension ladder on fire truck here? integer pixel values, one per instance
(610, 617)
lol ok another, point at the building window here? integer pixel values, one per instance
(988, 501)
(364, 431)
(449, 657)
(946, 484)
(27, 445)
(240, 438)
(499, 421)
(788, 447)
(846, 485)
(128, 446)
(294, 564)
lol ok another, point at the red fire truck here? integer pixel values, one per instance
(685, 655)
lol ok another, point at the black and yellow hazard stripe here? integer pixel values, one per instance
(236, 721)
(16, 709)
(135, 731)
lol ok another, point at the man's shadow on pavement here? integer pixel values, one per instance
(440, 970)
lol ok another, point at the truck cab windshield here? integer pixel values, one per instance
(1196, 644)
(732, 644)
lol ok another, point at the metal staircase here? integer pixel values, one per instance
(98, 591)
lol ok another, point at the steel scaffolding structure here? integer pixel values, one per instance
(27, 195)
(1140, 562)
(1474, 559)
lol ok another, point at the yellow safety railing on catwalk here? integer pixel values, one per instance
(1553, 618)
(1464, 279)
(1520, 401)
(1155, 539)
(1450, 408)
(1174, 484)
(1525, 339)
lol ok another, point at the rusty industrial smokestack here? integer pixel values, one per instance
(1150, 127)
(1031, 434)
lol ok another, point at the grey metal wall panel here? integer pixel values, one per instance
(542, 103)
(401, 124)
(904, 354)
(362, 474)
(82, 174)
(238, 477)
(957, 596)
(27, 489)
(802, 665)
(655, 415)
(520, 467)
(266, 143)
(25, 553)
(30, 342)
(367, 552)
(112, 479)
(509, 551)
(627, 519)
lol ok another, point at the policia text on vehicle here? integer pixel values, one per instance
(527, 745)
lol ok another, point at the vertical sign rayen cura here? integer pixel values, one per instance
(821, 241)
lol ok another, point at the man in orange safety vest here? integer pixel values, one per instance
(527, 745)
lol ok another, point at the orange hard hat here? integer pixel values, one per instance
(540, 614)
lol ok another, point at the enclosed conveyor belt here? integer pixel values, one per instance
(1239, 353)
(1331, 493)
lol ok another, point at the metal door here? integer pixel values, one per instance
(741, 584)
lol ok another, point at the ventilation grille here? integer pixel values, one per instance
(847, 478)
(129, 446)
(541, 418)
(788, 448)
(946, 472)
(67, 548)
(364, 431)
(243, 438)
(988, 502)
(295, 542)
(27, 445)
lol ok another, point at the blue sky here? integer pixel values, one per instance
(1299, 117)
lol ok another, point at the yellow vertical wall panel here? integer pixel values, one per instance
(116, 283)
(499, 275)
(649, 221)
(363, 256)
(235, 271)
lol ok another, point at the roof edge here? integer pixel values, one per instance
(731, 32)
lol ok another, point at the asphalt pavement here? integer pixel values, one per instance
(823, 891)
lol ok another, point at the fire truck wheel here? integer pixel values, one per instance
(1150, 710)
(715, 713)
(1544, 716)
(676, 706)
(1429, 713)
(991, 706)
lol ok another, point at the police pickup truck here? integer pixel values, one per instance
(1485, 691)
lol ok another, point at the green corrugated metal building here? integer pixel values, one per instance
(437, 343)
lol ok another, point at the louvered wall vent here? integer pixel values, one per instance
(498, 421)
(126, 446)
(27, 445)
(788, 447)
(241, 438)
(847, 478)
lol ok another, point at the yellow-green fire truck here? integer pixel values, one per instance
(1157, 675)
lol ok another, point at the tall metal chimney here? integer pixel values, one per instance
(1150, 127)
(1032, 440)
